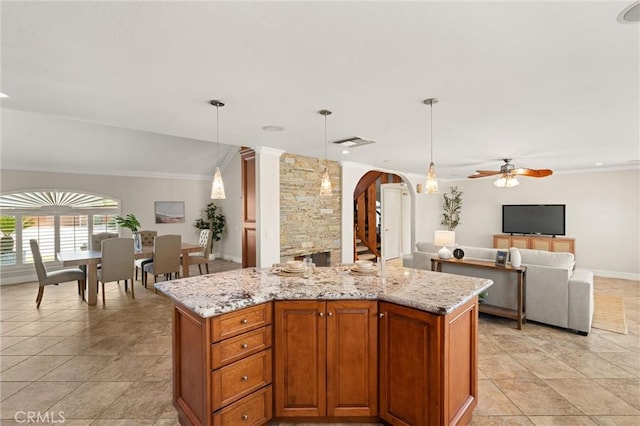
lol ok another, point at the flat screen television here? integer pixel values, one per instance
(541, 219)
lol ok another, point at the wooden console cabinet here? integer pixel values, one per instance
(428, 365)
(326, 358)
(535, 242)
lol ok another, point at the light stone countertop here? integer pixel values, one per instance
(222, 292)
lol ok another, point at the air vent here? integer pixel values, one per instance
(354, 141)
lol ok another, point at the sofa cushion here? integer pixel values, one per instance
(426, 247)
(547, 258)
(479, 252)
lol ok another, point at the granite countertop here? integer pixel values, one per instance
(219, 293)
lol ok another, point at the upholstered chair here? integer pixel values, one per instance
(202, 258)
(166, 258)
(117, 263)
(55, 277)
(146, 239)
(96, 239)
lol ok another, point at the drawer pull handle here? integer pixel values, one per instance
(381, 314)
(245, 417)
(244, 346)
(244, 378)
(321, 314)
(330, 314)
(244, 321)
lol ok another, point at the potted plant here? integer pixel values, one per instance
(214, 221)
(129, 221)
(8, 228)
(452, 208)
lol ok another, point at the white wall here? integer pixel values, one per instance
(603, 215)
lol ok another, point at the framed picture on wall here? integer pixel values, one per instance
(169, 211)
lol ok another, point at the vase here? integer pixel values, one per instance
(514, 255)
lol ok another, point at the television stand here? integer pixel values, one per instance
(535, 242)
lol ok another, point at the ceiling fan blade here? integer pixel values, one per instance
(484, 173)
(538, 173)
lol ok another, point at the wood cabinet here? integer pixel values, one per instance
(428, 365)
(222, 367)
(325, 359)
(558, 244)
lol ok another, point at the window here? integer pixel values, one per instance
(59, 220)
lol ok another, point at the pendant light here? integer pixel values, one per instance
(217, 187)
(431, 186)
(325, 186)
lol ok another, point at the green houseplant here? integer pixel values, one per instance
(452, 208)
(214, 221)
(8, 228)
(129, 221)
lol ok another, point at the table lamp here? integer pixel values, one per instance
(444, 239)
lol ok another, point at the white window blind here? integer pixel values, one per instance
(104, 223)
(8, 241)
(74, 233)
(42, 228)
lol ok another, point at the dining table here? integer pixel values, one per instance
(92, 258)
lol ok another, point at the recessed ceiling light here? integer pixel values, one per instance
(630, 14)
(272, 128)
(599, 164)
(3, 95)
(346, 151)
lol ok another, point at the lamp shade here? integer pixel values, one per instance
(444, 239)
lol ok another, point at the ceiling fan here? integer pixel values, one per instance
(508, 174)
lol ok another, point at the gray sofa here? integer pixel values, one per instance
(556, 293)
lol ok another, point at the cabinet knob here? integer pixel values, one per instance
(244, 346)
(245, 417)
(381, 314)
(244, 378)
(321, 314)
(330, 314)
(244, 320)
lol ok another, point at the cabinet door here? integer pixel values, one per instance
(501, 241)
(562, 245)
(520, 242)
(300, 359)
(352, 362)
(410, 366)
(541, 244)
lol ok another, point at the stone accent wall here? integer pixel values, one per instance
(309, 223)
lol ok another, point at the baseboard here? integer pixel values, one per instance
(615, 274)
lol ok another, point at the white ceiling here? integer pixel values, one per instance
(550, 84)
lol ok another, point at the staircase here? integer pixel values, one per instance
(366, 232)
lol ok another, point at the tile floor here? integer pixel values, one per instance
(111, 365)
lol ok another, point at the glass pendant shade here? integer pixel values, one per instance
(431, 187)
(217, 188)
(506, 181)
(325, 186)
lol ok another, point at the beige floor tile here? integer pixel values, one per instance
(32, 345)
(125, 368)
(7, 326)
(33, 368)
(597, 402)
(8, 341)
(90, 399)
(73, 345)
(8, 361)
(68, 328)
(153, 396)
(37, 396)
(534, 397)
(167, 422)
(31, 329)
(500, 421)
(110, 345)
(124, 422)
(78, 368)
(492, 402)
(562, 421)
(594, 365)
(149, 345)
(546, 366)
(160, 371)
(616, 420)
(502, 366)
(515, 344)
(626, 389)
(9, 388)
(629, 361)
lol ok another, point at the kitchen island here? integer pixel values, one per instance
(250, 346)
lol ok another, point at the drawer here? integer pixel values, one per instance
(234, 323)
(235, 348)
(252, 410)
(239, 379)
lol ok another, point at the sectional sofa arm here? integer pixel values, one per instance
(581, 301)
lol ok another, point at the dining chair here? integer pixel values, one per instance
(96, 239)
(206, 235)
(166, 258)
(146, 238)
(117, 263)
(55, 277)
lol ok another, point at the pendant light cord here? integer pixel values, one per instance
(431, 124)
(325, 140)
(217, 137)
